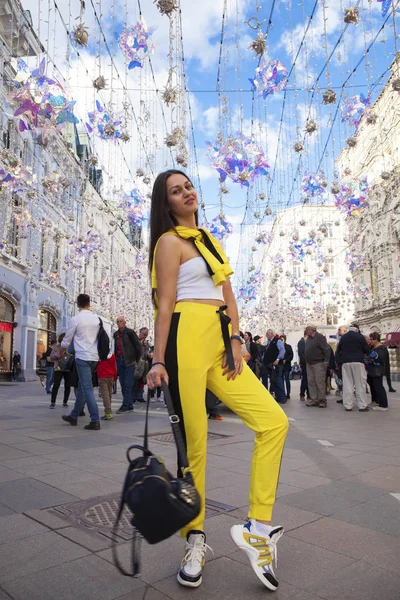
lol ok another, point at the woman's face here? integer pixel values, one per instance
(181, 195)
(246, 338)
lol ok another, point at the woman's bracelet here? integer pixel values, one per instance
(158, 363)
(236, 337)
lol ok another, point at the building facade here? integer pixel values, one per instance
(58, 235)
(375, 234)
(305, 275)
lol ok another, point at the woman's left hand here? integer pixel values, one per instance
(237, 359)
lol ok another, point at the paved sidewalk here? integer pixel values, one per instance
(338, 500)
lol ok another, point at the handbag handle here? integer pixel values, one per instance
(174, 420)
(176, 430)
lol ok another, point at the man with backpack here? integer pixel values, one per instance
(91, 343)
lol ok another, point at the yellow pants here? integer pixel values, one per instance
(194, 357)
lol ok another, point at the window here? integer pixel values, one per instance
(296, 271)
(46, 332)
(42, 253)
(332, 315)
(13, 237)
(373, 280)
(55, 263)
(331, 267)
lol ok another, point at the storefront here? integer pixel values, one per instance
(47, 331)
(7, 315)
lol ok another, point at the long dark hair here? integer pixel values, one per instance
(161, 219)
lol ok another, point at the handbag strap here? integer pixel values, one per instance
(136, 539)
(175, 420)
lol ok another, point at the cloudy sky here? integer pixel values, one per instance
(301, 44)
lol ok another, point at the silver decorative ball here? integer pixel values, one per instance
(351, 15)
(81, 35)
(329, 96)
(99, 83)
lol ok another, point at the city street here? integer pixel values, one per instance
(338, 500)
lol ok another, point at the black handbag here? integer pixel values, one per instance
(375, 370)
(160, 503)
(65, 363)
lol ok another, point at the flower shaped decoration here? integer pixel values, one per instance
(106, 125)
(220, 227)
(386, 4)
(238, 158)
(271, 76)
(82, 248)
(354, 261)
(353, 109)
(136, 44)
(313, 185)
(54, 183)
(353, 198)
(132, 206)
(13, 174)
(263, 238)
(299, 250)
(39, 99)
(252, 287)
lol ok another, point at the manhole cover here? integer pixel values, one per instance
(168, 438)
(99, 515)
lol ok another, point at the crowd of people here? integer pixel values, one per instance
(84, 358)
(357, 363)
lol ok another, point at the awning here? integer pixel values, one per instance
(393, 337)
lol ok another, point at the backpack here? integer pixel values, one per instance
(141, 368)
(103, 342)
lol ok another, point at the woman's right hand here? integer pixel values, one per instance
(156, 375)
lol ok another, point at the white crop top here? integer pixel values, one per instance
(195, 282)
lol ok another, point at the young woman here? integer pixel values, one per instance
(195, 349)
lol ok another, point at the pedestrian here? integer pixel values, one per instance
(128, 350)
(251, 348)
(59, 375)
(195, 350)
(317, 352)
(273, 361)
(16, 366)
(376, 370)
(107, 375)
(212, 406)
(287, 365)
(50, 365)
(385, 354)
(330, 370)
(138, 382)
(84, 328)
(260, 353)
(301, 348)
(296, 371)
(350, 353)
(41, 371)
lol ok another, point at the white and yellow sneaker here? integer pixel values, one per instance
(261, 550)
(191, 570)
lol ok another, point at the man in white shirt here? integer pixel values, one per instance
(83, 330)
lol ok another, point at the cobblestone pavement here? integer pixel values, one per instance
(338, 500)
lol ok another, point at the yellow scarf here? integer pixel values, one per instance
(217, 263)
